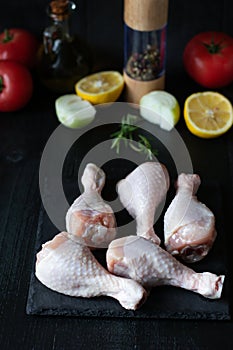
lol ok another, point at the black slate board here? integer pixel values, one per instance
(163, 302)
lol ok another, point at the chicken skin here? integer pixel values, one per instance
(89, 216)
(189, 226)
(66, 265)
(147, 263)
(141, 192)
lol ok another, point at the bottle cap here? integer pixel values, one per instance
(59, 9)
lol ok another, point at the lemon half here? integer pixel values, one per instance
(102, 87)
(208, 114)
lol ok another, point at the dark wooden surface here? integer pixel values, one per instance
(23, 136)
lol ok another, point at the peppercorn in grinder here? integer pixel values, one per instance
(144, 47)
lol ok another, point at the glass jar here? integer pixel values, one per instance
(145, 53)
(144, 47)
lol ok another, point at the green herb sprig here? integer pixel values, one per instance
(126, 134)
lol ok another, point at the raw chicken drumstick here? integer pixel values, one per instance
(147, 263)
(141, 192)
(89, 216)
(67, 266)
(189, 226)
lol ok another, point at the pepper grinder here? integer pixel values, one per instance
(144, 47)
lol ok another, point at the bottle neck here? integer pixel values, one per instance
(54, 35)
(61, 27)
(59, 12)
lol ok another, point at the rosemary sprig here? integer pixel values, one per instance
(125, 134)
(145, 147)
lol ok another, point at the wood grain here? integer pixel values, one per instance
(146, 15)
(135, 89)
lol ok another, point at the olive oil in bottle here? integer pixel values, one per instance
(62, 59)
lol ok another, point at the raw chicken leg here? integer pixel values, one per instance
(147, 263)
(189, 226)
(89, 216)
(67, 266)
(141, 192)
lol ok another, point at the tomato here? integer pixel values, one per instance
(18, 45)
(16, 86)
(208, 59)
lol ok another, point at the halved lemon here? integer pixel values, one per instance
(102, 87)
(208, 114)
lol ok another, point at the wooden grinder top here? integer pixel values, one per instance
(145, 15)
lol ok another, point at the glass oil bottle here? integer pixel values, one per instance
(62, 59)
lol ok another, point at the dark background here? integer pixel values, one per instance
(22, 137)
(100, 23)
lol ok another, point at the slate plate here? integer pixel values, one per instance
(163, 302)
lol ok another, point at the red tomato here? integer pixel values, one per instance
(208, 59)
(16, 86)
(18, 45)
